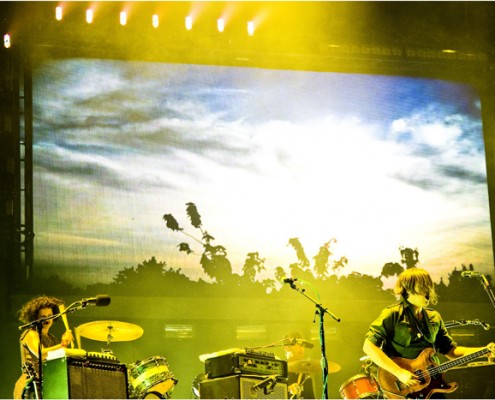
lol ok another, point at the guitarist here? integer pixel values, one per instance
(403, 331)
(34, 309)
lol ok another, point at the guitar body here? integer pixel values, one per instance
(27, 382)
(423, 367)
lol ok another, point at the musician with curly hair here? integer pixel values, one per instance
(406, 337)
(36, 309)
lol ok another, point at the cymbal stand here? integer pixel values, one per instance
(321, 311)
(108, 350)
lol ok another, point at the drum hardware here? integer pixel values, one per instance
(195, 384)
(150, 377)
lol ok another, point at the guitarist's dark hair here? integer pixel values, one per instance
(416, 280)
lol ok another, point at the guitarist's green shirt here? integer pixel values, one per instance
(400, 334)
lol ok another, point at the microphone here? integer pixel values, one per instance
(290, 280)
(100, 300)
(266, 384)
(300, 342)
(305, 343)
(470, 274)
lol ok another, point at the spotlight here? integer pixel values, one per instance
(220, 24)
(123, 18)
(155, 21)
(6, 41)
(58, 13)
(189, 22)
(89, 15)
(250, 28)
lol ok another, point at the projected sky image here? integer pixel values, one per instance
(375, 162)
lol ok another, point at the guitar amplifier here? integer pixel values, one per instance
(249, 363)
(72, 378)
(243, 387)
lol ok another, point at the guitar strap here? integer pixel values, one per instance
(427, 337)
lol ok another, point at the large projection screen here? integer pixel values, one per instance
(372, 162)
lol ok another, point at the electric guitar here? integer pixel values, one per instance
(429, 374)
(27, 382)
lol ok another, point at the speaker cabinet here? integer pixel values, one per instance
(242, 387)
(68, 378)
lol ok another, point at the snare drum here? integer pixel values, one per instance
(360, 387)
(150, 375)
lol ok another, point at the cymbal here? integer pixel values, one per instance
(311, 367)
(110, 331)
(204, 357)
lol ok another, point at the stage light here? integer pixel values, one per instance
(250, 28)
(89, 15)
(6, 41)
(58, 13)
(123, 18)
(155, 21)
(220, 24)
(189, 22)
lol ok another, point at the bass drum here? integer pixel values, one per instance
(150, 378)
(360, 387)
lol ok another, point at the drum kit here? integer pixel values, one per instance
(152, 378)
(149, 378)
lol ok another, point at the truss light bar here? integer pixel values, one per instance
(189, 22)
(89, 16)
(123, 18)
(58, 13)
(220, 24)
(6, 41)
(155, 21)
(250, 28)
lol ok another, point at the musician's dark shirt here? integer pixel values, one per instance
(400, 334)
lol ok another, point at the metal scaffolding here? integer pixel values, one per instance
(16, 157)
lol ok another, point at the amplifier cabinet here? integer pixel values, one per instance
(248, 364)
(475, 381)
(242, 387)
(68, 378)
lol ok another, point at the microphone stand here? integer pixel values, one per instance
(38, 325)
(488, 289)
(320, 310)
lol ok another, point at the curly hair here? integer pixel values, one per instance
(29, 311)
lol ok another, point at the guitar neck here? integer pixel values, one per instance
(461, 360)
